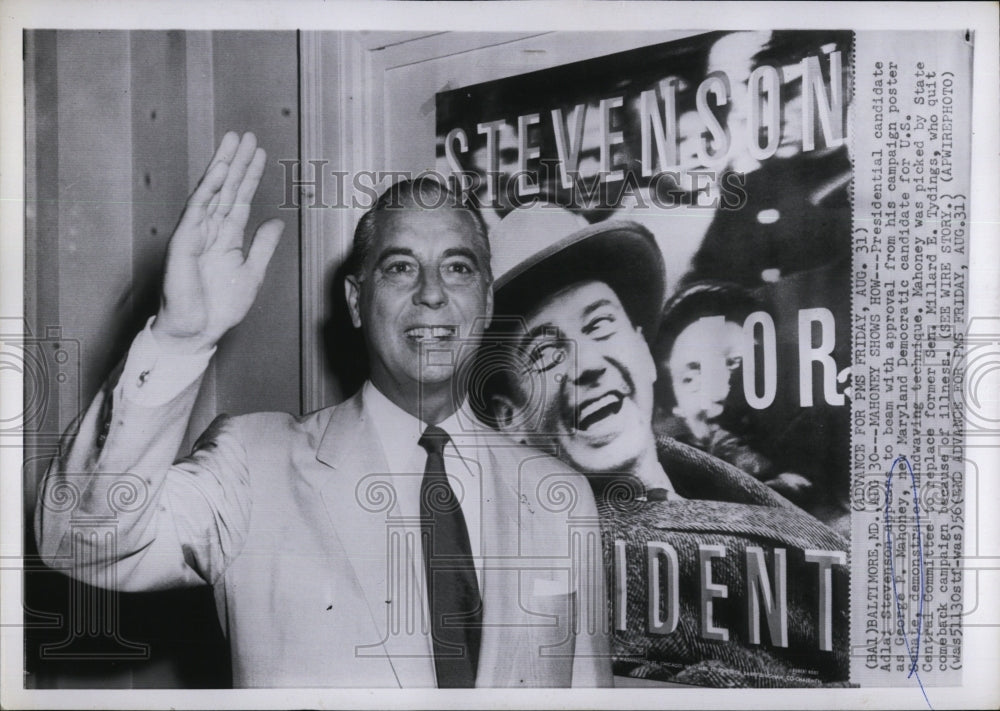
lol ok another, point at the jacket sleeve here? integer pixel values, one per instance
(114, 512)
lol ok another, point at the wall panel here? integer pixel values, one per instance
(256, 87)
(121, 126)
(95, 196)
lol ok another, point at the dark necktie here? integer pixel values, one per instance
(452, 590)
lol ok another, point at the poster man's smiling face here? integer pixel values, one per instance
(590, 377)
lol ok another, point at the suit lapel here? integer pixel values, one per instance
(358, 507)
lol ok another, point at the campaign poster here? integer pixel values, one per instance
(737, 152)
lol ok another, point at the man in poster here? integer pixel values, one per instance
(697, 552)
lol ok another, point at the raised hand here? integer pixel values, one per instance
(209, 286)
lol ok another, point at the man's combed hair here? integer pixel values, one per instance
(425, 192)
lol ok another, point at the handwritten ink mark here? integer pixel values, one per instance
(914, 653)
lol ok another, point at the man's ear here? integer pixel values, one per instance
(352, 292)
(503, 412)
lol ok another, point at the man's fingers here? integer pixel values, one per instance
(248, 186)
(208, 187)
(223, 155)
(265, 241)
(237, 169)
(225, 194)
(205, 196)
(226, 150)
(235, 223)
(188, 236)
(212, 205)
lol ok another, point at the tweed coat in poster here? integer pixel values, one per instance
(728, 508)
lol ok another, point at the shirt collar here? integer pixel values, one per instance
(400, 431)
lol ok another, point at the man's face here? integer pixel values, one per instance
(590, 377)
(701, 363)
(424, 291)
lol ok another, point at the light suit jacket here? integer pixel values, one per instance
(289, 521)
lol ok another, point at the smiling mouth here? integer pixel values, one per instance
(599, 409)
(431, 334)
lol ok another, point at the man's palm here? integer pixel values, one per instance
(209, 286)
